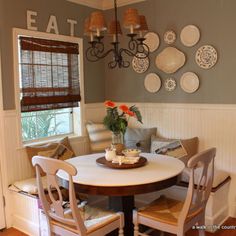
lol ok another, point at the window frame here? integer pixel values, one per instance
(16, 55)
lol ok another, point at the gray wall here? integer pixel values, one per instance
(13, 14)
(216, 21)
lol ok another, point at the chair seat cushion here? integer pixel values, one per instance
(219, 176)
(165, 210)
(94, 218)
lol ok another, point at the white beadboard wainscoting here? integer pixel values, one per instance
(215, 125)
(15, 163)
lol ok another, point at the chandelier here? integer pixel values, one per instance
(95, 26)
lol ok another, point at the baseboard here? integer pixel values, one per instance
(25, 226)
(232, 211)
(216, 220)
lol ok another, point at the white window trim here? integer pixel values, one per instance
(19, 32)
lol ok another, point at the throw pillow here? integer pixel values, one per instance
(99, 136)
(139, 138)
(190, 146)
(62, 152)
(34, 150)
(172, 148)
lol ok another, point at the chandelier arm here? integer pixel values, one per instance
(93, 56)
(112, 64)
(132, 44)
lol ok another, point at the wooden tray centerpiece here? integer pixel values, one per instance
(103, 162)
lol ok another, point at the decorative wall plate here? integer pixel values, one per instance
(190, 35)
(189, 82)
(206, 56)
(152, 41)
(170, 84)
(152, 83)
(140, 65)
(169, 37)
(170, 60)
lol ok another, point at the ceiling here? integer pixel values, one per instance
(104, 4)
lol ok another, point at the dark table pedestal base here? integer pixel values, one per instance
(126, 205)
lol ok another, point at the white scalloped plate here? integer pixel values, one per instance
(190, 35)
(152, 83)
(152, 41)
(189, 82)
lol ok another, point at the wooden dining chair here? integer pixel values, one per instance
(177, 217)
(77, 219)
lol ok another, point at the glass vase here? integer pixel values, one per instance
(117, 138)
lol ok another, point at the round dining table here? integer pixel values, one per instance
(121, 185)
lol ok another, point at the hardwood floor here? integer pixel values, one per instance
(11, 232)
(225, 232)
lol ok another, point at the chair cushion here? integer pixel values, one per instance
(99, 136)
(190, 146)
(165, 210)
(94, 218)
(51, 150)
(219, 176)
(139, 138)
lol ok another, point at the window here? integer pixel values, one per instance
(49, 87)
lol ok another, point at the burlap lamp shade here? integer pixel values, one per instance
(97, 22)
(131, 19)
(143, 24)
(112, 28)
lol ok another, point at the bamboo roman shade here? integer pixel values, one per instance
(49, 74)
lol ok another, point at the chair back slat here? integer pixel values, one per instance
(201, 168)
(53, 207)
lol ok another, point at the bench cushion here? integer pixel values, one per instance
(28, 186)
(219, 176)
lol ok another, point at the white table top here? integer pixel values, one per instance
(158, 168)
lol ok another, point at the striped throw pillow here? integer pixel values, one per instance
(99, 136)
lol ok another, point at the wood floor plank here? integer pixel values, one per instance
(221, 232)
(11, 232)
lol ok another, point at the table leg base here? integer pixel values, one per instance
(126, 205)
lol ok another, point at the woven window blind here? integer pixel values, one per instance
(49, 74)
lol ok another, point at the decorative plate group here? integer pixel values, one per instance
(171, 59)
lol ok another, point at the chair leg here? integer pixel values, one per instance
(136, 230)
(121, 232)
(201, 232)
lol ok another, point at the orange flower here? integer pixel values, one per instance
(130, 113)
(109, 104)
(124, 108)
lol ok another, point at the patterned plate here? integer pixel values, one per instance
(170, 84)
(169, 37)
(152, 83)
(152, 41)
(206, 56)
(140, 65)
